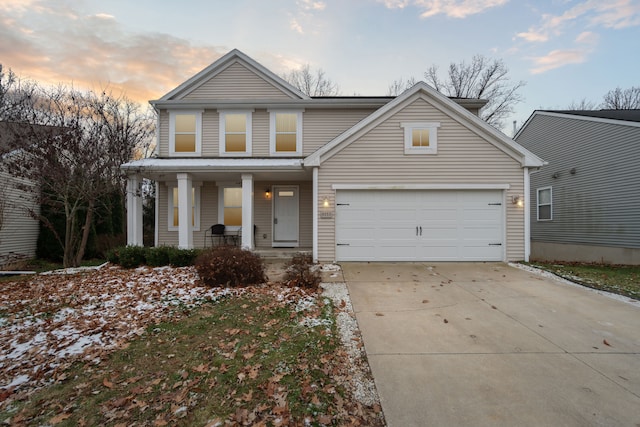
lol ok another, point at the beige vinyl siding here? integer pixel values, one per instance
(260, 135)
(321, 126)
(210, 133)
(462, 158)
(18, 231)
(236, 82)
(163, 148)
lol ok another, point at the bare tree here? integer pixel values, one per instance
(78, 140)
(583, 105)
(622, 99)
(400, 85)
(482, 78)
(312, 83)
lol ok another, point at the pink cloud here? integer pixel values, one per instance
(451, 8)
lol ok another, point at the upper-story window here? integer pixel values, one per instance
(420, 137)
(185, 133)
(285, 137)
(235, 133)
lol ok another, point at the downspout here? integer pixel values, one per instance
(315, 214)
(527, 215)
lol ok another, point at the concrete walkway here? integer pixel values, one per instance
(485, 344)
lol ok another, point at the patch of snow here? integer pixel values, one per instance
(20, 379)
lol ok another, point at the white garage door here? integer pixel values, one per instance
(419, 225)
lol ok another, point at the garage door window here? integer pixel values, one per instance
(420, 137)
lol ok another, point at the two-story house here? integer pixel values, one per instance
(413, 177)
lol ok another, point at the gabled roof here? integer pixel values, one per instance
(233, 57)
(421, 90)
(619, 117)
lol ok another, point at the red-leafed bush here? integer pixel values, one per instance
(230, 266)
(300, 272)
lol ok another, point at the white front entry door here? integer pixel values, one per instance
(285, 215)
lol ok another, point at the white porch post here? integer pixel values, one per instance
(527, 215)
(185, 226)
(247, 211)
(134, 211)
(315, 215)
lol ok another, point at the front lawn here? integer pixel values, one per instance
(150, 347)
(618, 279)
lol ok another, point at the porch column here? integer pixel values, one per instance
(315, 215)
(185, 226)
(134, 210)
(247, 211)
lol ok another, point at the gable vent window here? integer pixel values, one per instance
(420, 137)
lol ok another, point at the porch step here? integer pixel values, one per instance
(280, 253)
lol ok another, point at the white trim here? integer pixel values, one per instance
(248, 133)
(315, 215)
(409, 127)
(527, 215)
(550, 188)
(420, 186)
(205, 165)
(272, 133)
(172, 130)
(170, 186)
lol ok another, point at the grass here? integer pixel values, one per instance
(618, 279)
(245, 360)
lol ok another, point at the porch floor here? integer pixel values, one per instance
(280, 253)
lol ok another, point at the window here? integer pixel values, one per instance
(230, 210)
(420, 137)
(174, 217)
(545, 211)
(185, 137)
(235, 133)
(286, 133)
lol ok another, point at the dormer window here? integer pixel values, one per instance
(420, 137)
(286, 133)
(185, 133)
(235, 133)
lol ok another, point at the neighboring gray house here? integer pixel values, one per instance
(18, 230)
(585, 204)
(413, 177)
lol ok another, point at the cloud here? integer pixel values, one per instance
(304, 15)
(614, 14)
(586, 42)
(54, 45)
(451, 8)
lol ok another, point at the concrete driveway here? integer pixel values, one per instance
(485, 344)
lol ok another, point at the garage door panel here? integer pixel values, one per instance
(456, 225)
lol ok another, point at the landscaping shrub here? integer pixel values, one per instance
(132, 256)
(113, 255)
(182, 257)
(300, 272)
(158, 257)
(230, 266)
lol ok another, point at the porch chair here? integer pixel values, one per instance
(216, 234)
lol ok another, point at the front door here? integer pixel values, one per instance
(285, 216)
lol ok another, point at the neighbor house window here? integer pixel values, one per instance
(286, 133)
(174, 208)
(420, 137)
(235, 133)
(545, 202)
(185, 133)
(230, 206)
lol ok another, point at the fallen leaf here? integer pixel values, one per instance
(379, 314)
(107, 383)
(605, 342)
(59, 418)
(425, 301)
(446, 321)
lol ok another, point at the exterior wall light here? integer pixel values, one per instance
(518, 201)
(325, 202)
(267, 194)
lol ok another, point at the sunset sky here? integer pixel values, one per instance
(565, 50)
